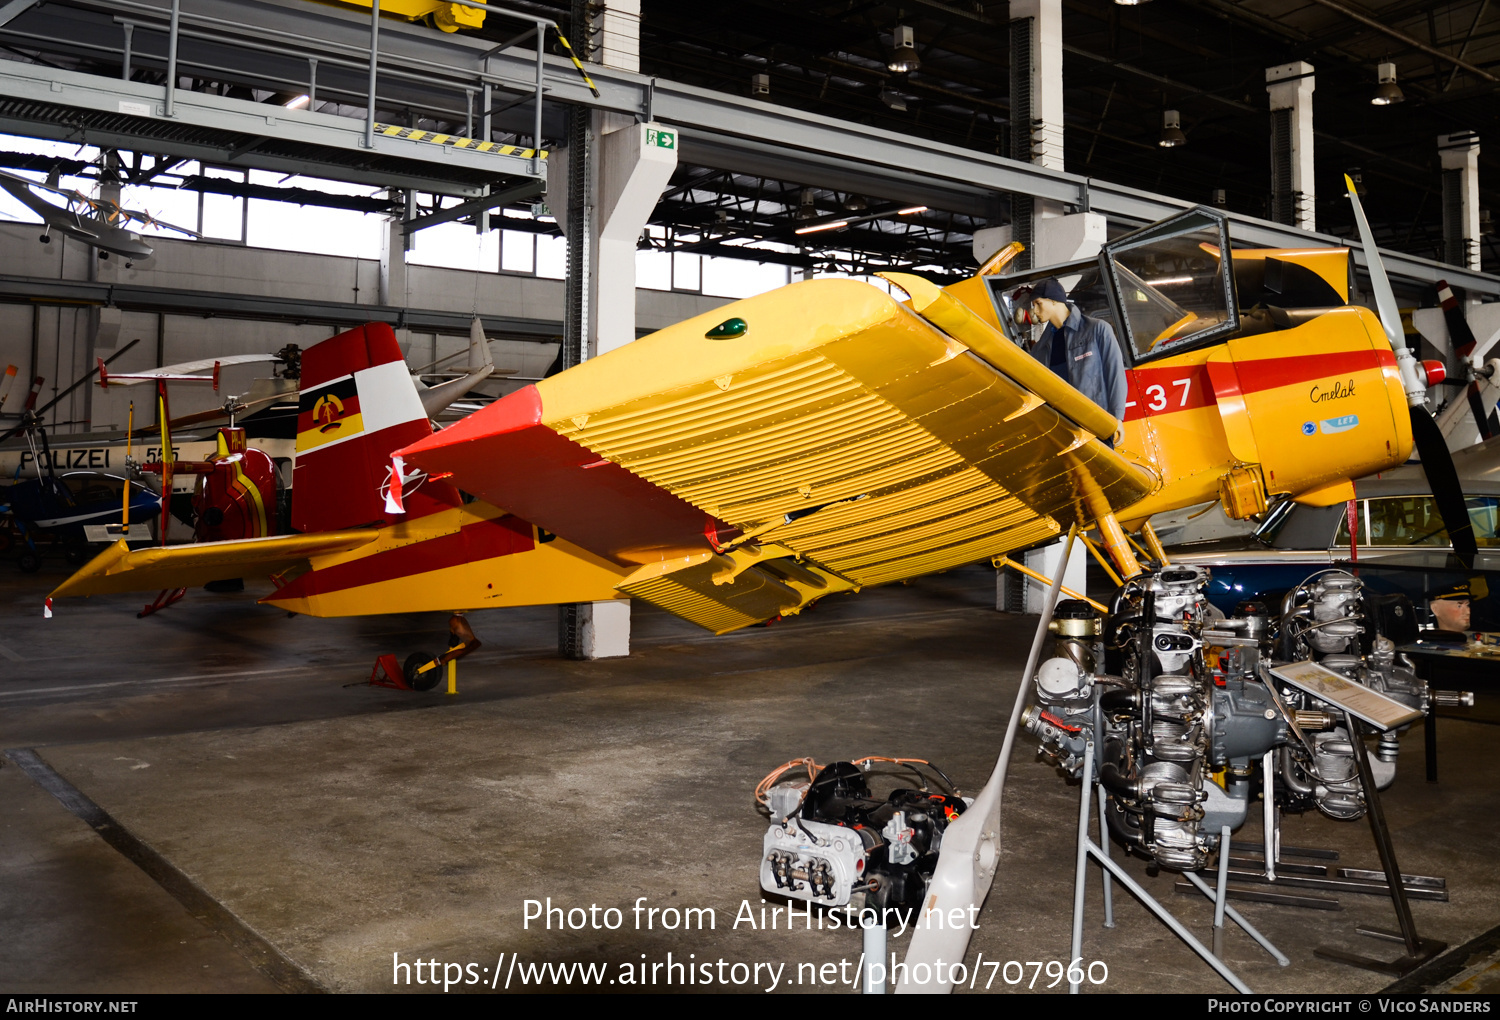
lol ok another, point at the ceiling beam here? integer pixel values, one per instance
(1394, 33)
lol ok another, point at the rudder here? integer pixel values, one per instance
(356, 405)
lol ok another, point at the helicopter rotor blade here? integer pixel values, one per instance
(49, 405)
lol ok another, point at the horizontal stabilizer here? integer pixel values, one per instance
(120, 569)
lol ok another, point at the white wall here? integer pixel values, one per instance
(66, 348)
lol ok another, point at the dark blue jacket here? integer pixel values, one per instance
(1095, 367)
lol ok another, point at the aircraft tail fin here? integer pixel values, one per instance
(480, 365)
(356, 405)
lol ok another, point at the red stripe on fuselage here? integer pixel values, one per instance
(1269, 373)
(1152, 391)
(480, 540)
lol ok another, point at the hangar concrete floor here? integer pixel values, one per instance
(210, 808)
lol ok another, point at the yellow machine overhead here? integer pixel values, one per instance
(449, 17)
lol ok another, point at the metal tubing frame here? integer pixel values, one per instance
(374, 58)
(874, 954)
(171, 96)
(1088, 848)
(1235, 916)
(270, 48)
(1006, 561)
(1103, 562)
(1270, 820)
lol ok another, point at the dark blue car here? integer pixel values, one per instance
(1400, 542)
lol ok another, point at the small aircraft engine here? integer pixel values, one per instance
(1182, 707)
(833, 842)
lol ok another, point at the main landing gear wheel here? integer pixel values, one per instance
(421, 681)
(29, 562)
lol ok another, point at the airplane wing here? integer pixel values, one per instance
(820, 437)
(121, 569)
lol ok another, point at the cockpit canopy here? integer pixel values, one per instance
(1165, 288)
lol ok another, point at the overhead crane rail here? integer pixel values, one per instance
(270, 42)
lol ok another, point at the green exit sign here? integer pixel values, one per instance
(661, 138)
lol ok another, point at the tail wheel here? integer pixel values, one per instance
(421, 681)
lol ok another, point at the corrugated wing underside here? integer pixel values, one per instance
(897, 433)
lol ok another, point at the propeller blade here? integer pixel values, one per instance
(1462, 339)
(1413, 380)
(1385, 297)
(1459, 333)
(1447, 492)
(148, 220)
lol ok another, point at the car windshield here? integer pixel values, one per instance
(1415, 521)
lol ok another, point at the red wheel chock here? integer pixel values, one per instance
(387, 673)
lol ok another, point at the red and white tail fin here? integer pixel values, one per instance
(358, 404)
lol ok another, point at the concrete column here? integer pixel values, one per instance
(1046, 81)
(1055, 238)
(1036, 110)
(1459, 156)
(1292, 190)
(1069, 238)
(625, 170)
(619, 27)
(1045, 561)
(393, 246)
(635, 165)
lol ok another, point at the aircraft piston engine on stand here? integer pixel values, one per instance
(835, 843)
(1181, 705)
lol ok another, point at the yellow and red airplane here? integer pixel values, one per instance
(827, 436)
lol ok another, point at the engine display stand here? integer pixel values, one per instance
(1418, 950)
(1088, 848)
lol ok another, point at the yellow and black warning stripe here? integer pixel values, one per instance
(456, 141)
(577, 63)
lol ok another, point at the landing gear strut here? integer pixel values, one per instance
(422, 672)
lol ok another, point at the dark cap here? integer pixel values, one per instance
(1050, 289)
(1452, 591)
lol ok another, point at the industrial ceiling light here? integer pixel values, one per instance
(298, 103)
(895, 100)
(1387, 92)
(830, 225)
(805, 208)
(856, 203)
(904, 59)
(760, 84)
(1171, 130)
(1130, 3)
(846, 221)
